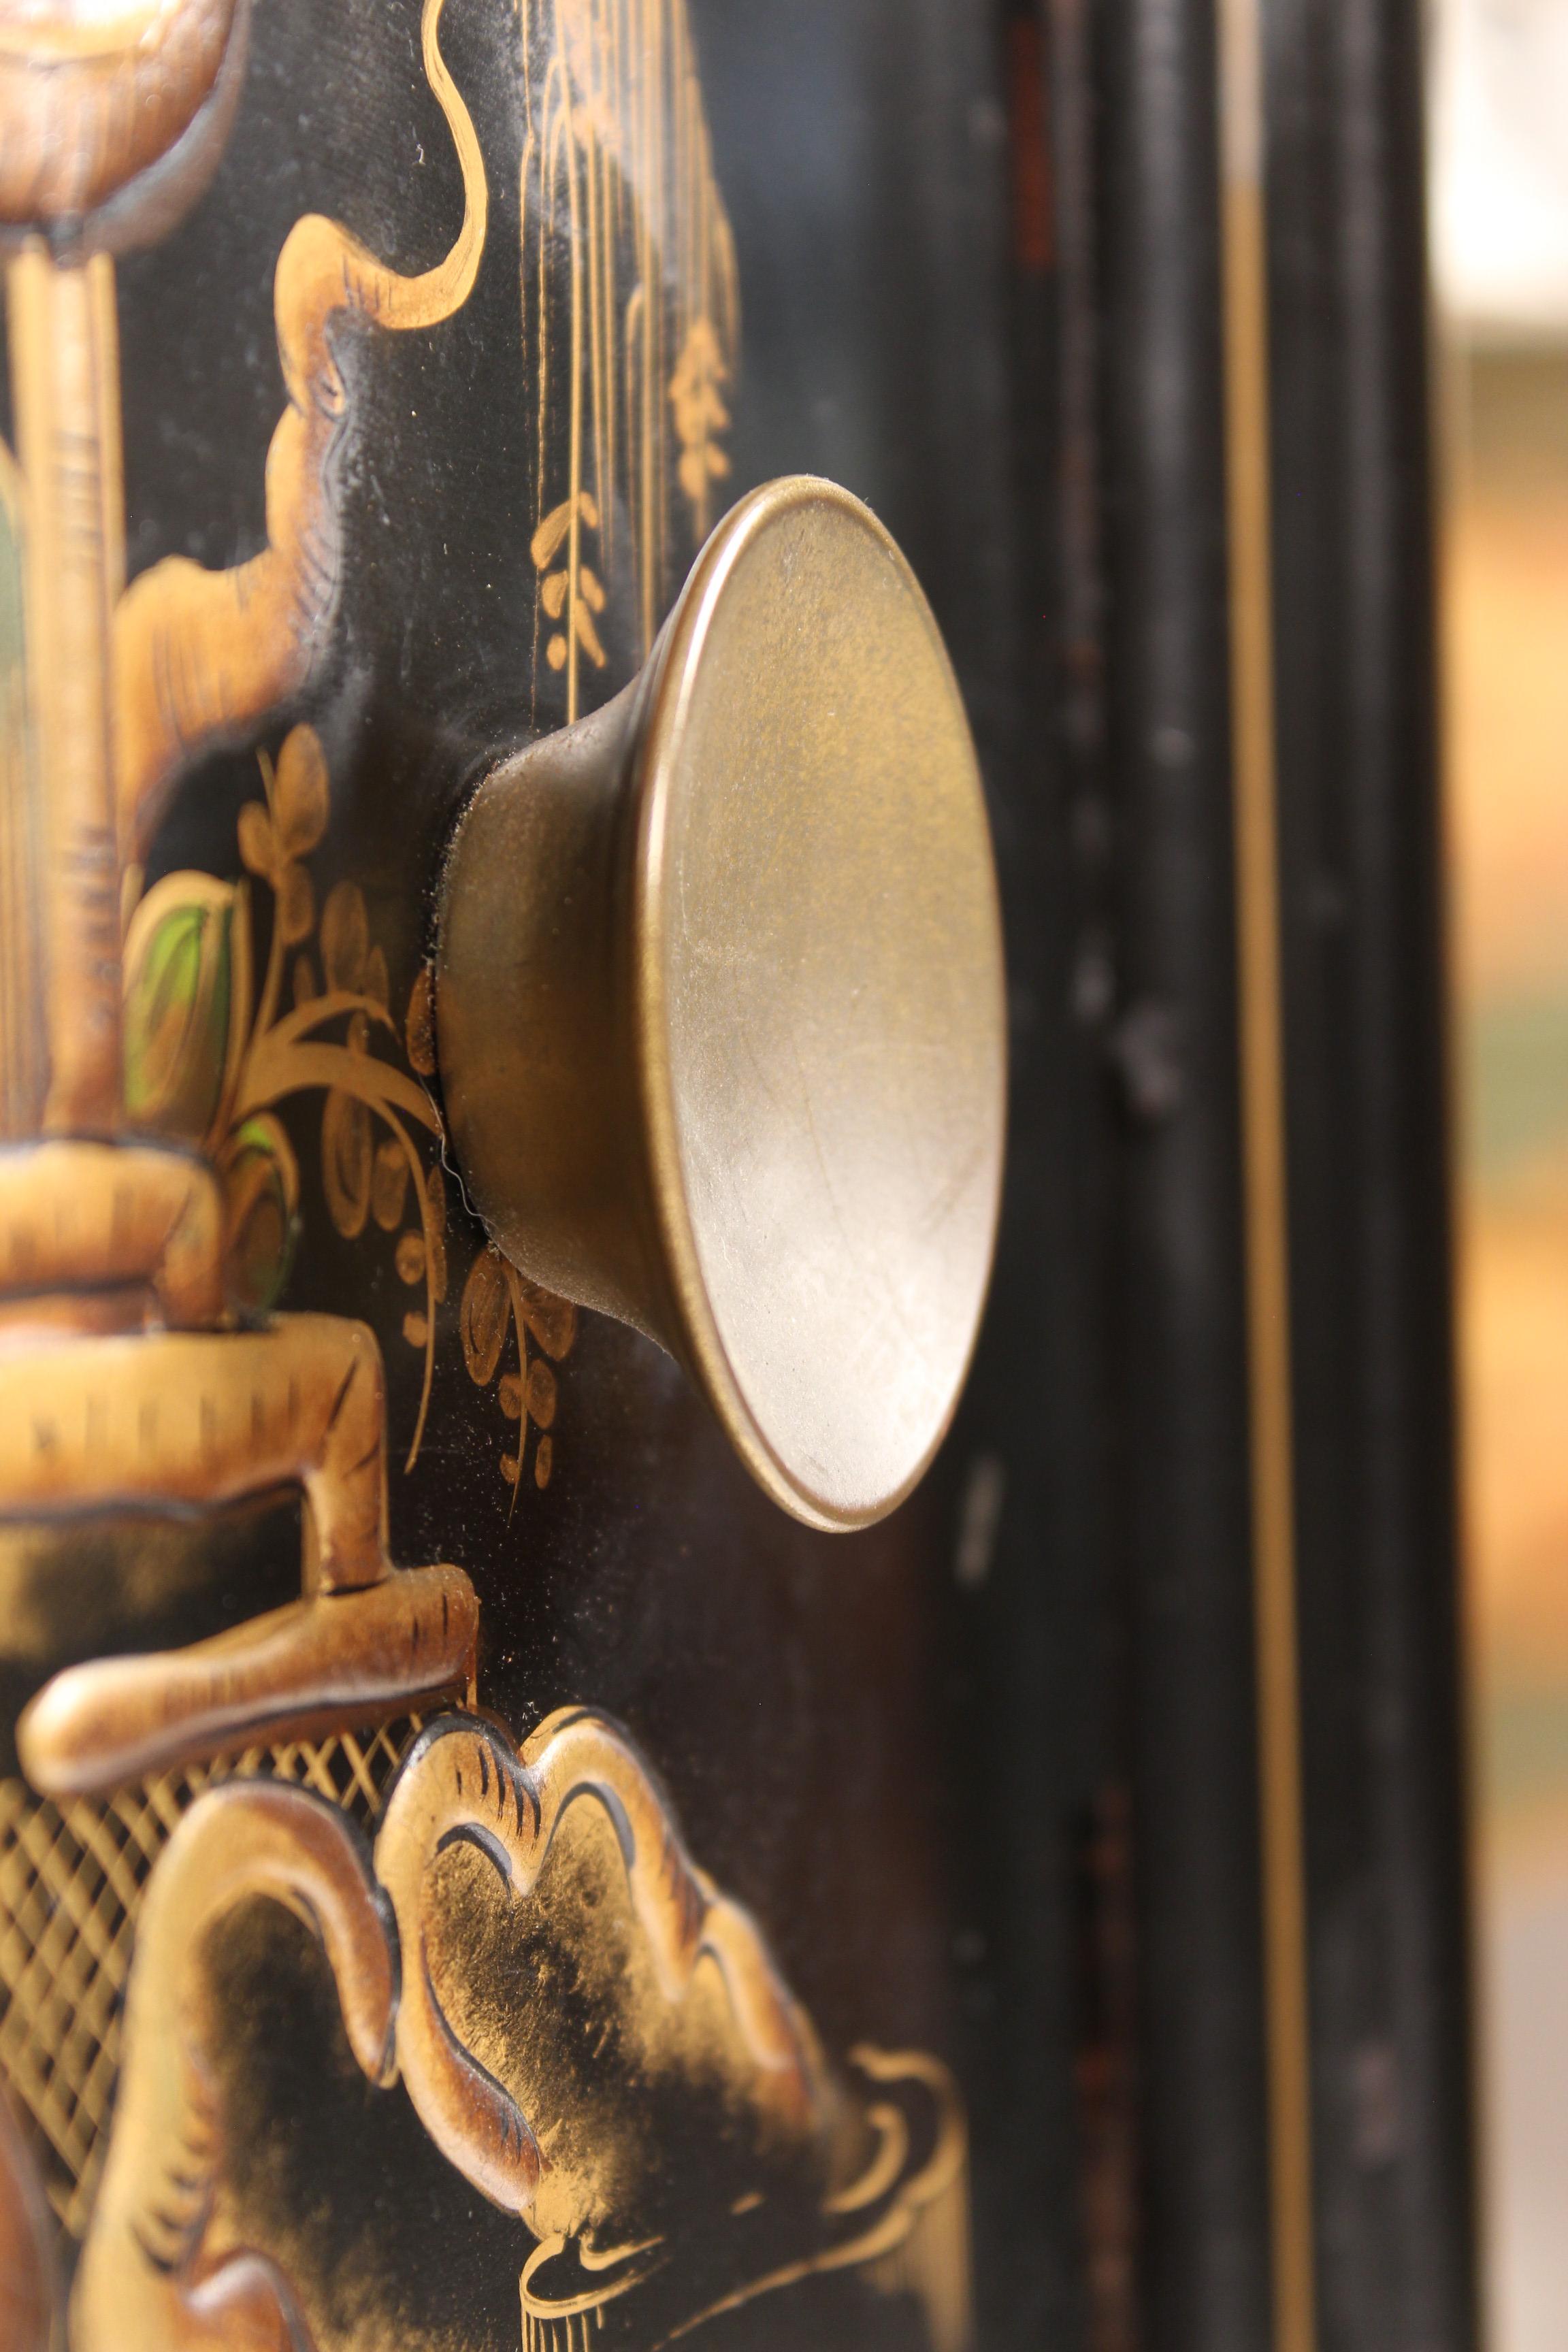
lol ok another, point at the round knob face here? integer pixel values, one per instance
(720, 1002)
(820, 1001)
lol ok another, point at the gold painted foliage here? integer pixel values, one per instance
(558, 537)
(209, 1056)
(497, 1300)
(698, 407)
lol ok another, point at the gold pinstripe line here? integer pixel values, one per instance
(1246, 328)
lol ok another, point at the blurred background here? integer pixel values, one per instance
(1500, 241)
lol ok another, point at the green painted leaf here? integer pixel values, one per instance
(185, 986)
(261, 1192)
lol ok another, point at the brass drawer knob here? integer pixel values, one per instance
(719, 1005)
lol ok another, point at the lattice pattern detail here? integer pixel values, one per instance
(71, 1877)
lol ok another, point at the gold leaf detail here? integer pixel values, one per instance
(388, 1185)
(346, 1161)
(257, 842)
(419, 1028)
(296, 905)
(482, 1317)
(552, 531)
(301, 792)
(541, 1391)
(552, 1320)
(588, 637)
(345, 937)
(435, 1231)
